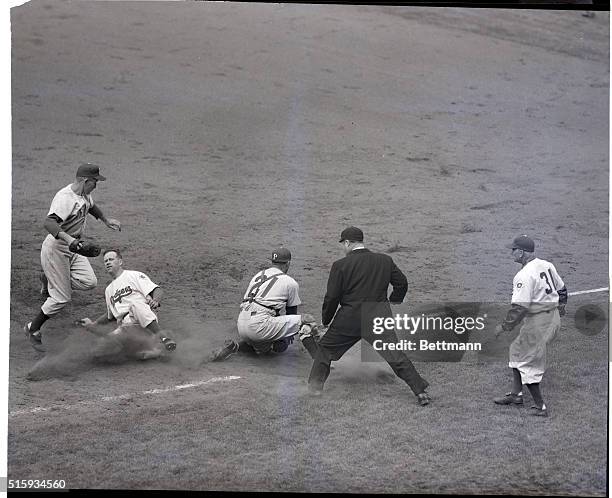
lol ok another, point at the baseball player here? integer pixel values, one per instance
(538, 300)
(131, 299)
(63, 253)
(361, 277)
(261, 326)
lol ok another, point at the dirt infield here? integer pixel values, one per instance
(227, 129)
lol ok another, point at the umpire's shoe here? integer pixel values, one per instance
(423, 399)
(536, 411)
(35, 338)
(509, 399)
(229, 348)
(315, 389)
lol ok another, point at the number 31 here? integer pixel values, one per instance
(548, 283)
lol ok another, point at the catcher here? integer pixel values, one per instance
(261, 326)
(64, 254)
(132, 300)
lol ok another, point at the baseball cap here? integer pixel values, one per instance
(522, 242)
(280, 255)
(351, 233)
(89, 170)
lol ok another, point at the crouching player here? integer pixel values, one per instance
(132, 300)
(261, 326)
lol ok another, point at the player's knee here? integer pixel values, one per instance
(84, 282)
(90, 282)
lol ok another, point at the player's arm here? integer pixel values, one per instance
(154, 298)
(52, 225)
(562, 300)
(293, 298)
(97, 213)
(332, 296)
(91, 325)
(399, 283)
(515, 314)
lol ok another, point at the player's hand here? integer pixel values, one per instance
(498, 330)
(113, 224)
(86, 322)
(153, 304)
(120, 318)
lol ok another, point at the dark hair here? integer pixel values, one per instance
(112, 250)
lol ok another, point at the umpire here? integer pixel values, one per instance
(360, 278)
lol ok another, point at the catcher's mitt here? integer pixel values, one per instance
(85, 248)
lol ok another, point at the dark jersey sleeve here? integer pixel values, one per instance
(333, 294)
(52, 224)
(399, 283)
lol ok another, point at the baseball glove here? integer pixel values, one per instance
(85, 248)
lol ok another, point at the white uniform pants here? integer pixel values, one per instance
(528, 350)
(261, 328)
(65, 271)
(139, 314)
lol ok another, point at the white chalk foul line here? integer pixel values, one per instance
(124, 396)
(590, 291)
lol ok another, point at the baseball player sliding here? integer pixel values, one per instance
(131, 299)
(538, 299)
(261, 326)
(63, 254)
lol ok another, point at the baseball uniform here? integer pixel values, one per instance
(65, 270)
(260, 322)
(536, 288)
(126, 298)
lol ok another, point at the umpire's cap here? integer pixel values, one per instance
(353, 234)
(280, 255)
(89, 170)
(522, 242)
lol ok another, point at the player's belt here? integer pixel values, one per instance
(538, 312)
(276, 310)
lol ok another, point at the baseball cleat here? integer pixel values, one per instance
(169, 344)
(538, 412)
(44, 289)
(35, 338)
(229, 348)
(423, 399)
(509, 399)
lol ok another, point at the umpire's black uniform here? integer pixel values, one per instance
(361, 277)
